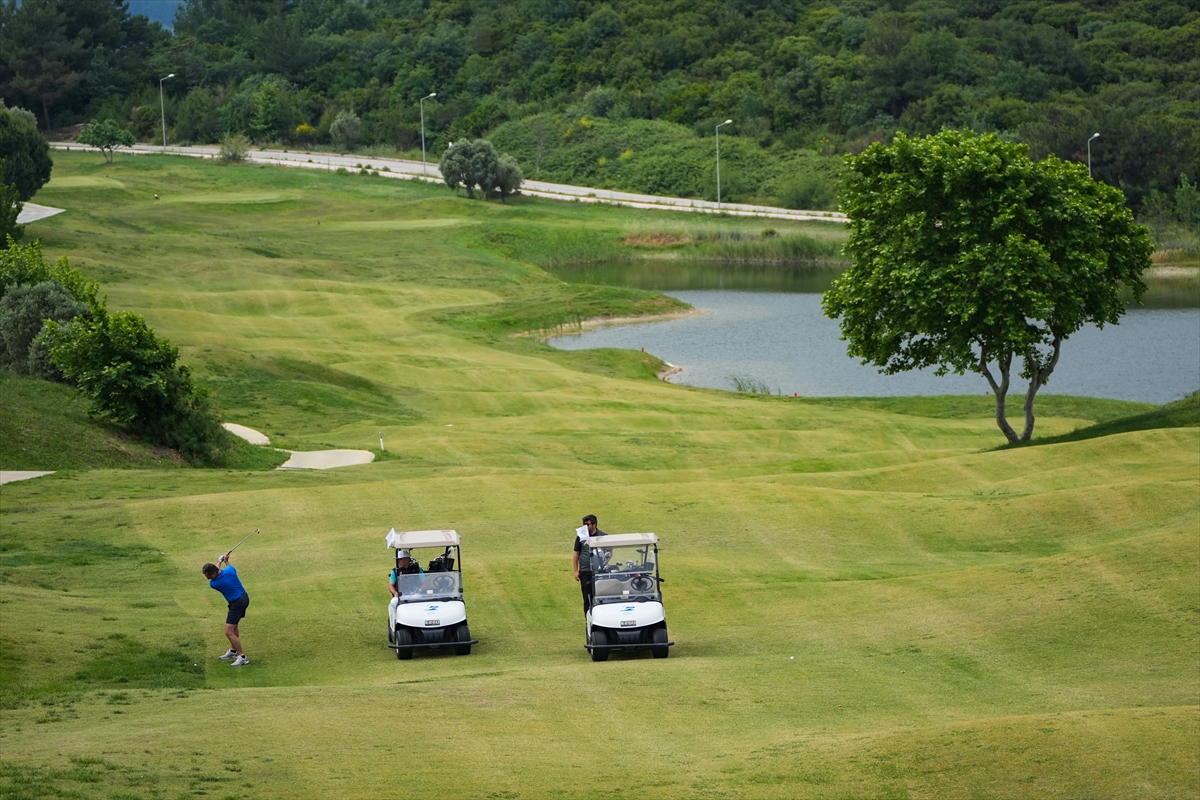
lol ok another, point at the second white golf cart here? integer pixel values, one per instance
(429, 611)
(627, 611)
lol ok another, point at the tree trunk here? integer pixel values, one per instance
(46, 112)
(1037, 379)
(1001, 391)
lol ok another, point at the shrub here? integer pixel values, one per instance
(345, 130)
(24, 264)
(234, 148)
(23, 311)
(808, 190)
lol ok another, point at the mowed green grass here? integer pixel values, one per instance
(868, 600)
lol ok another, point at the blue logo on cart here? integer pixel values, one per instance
(432, 608)
(627, 609)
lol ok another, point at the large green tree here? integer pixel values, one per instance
(967, 254)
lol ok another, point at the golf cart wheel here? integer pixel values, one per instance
(462, 634)
(599, 636)
(660, 650)
(402, 637)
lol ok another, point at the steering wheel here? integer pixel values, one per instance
(641, 583)
(442, 583)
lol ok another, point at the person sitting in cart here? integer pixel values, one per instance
(404, 566)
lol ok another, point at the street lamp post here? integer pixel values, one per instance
(1094, 136)
(423, 99)
(163, 107)
(718, 135)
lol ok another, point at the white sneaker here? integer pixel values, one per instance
(230, 653)
(240, 661)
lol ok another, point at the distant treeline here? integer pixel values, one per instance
(819, 77)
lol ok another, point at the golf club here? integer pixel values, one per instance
(239, 544)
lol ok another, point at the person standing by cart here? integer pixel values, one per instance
(224, 579)
(582, 559)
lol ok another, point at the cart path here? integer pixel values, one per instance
(10, 475)
(415, 170)
(310, 459)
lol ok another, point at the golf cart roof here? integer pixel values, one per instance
(411, 539)
(622, 540)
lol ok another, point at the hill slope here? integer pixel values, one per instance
(867, 600)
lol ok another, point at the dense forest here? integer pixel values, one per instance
(627, 93)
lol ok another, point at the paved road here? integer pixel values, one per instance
(401, 168)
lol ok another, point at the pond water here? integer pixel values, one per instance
(779, 338)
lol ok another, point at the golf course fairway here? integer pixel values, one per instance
(868, 599)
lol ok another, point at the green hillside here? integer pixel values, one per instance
(868, 598)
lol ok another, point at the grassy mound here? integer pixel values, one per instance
(1182, 413)
(45, 426)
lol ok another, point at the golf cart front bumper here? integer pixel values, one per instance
(628, 648)
(432, 645)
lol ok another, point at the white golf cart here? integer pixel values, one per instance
(429, 611)
(627, 610)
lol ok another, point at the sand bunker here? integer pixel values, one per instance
(312, 459)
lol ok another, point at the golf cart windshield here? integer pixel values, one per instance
(430, 586)
(440, 580)
(625, 574)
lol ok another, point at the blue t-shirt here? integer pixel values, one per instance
(227, 584)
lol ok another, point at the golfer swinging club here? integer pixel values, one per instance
(225, 580)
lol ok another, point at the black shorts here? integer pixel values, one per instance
(237, 609)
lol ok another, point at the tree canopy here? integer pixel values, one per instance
(966, 253)
(471, 164)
